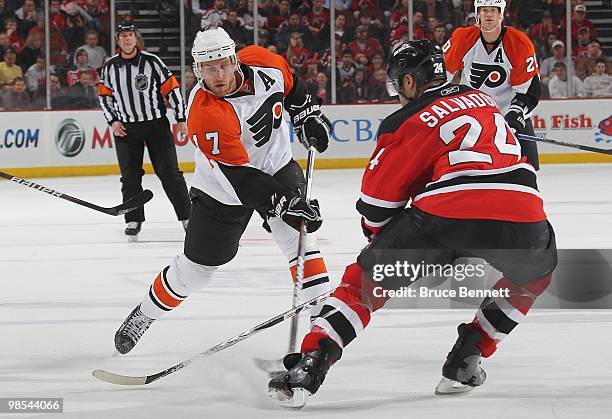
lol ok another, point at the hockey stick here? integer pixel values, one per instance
(131, 204)
(301, 250)
(565, 144)
(127, 380)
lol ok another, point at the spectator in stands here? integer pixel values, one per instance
(294, 24)
(32, 49)
(321, 88)
(214, 16)
(360, 6)
(364, 47)
(598, 84)
(198, 8)
(378, 87)
(432, 8)
(296, 55)
(95, 52)
(470, 20)
(312, 69)
(35, 77)
(579, 20)
(418, 25)
(346, 68)
(362, 95)
(399, 17)
(4, 44)
(559, 87)
(16, 98)
(98, 10)
(585, 65)
(5, 12)
(460, 11)
(59, 98)
(58, 45)
(56, 14)
(9, 70)
(15, 40)
(341, 30)
(317, 21)
(27, 17)
(376, 29)
(540, 31)
(82, 64)
(325, 61)
(582, 43)
(82, 93)
(439, 35)
(272, 48)
(376, 64)
(546, 68)
(545, 50)
(190, 82)
(248, 18)
(280, 13)
(236, 30)
(74, 31)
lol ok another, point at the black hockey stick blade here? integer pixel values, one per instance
(131, 204)
(127, 380)
(607, 151)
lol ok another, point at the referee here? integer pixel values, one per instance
(132, 87)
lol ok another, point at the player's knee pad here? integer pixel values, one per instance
(286, 238)
(185, 276)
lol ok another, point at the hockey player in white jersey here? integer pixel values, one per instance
(500, 61)
(243, 164)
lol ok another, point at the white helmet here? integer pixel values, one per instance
(490, 3)
(209, 45)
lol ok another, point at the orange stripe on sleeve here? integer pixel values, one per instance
(163, 295)
(261, 57)
(461, 41)
(103, 90)
(520, 51)
(169, 85)
(312, 267)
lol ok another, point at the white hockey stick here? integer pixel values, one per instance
(128, 380)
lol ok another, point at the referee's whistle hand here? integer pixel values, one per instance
(181, 130)
(118, 129)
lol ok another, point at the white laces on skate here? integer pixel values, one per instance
(132, 225)
(137, 325)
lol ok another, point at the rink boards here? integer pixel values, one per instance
(61, 143)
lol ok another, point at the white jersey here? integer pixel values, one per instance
(244, 129)
(502, 73)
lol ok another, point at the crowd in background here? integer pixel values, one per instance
(364, 32)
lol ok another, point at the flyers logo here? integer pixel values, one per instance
(266, 118)
(490, 75)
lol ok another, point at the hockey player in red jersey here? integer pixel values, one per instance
(243, 164)
(450, 152)
(501, 62)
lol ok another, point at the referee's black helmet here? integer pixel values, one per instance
(125, 27)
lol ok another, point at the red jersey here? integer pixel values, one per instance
(451, 152)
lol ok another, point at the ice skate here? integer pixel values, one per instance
(462, 371)
(131, 331)
(305, 374)
(132, 229)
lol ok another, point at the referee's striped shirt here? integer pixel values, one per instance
(132, 90)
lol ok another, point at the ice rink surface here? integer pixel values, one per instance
(69, 278)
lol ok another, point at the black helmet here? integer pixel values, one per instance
(422, 59)
(125, 27)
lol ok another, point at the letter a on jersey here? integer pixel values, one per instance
(267, 80)
(266, 118)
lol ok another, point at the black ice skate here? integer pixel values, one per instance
(132, 229)
(462, 371)
(131, 331)
(305, 374)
